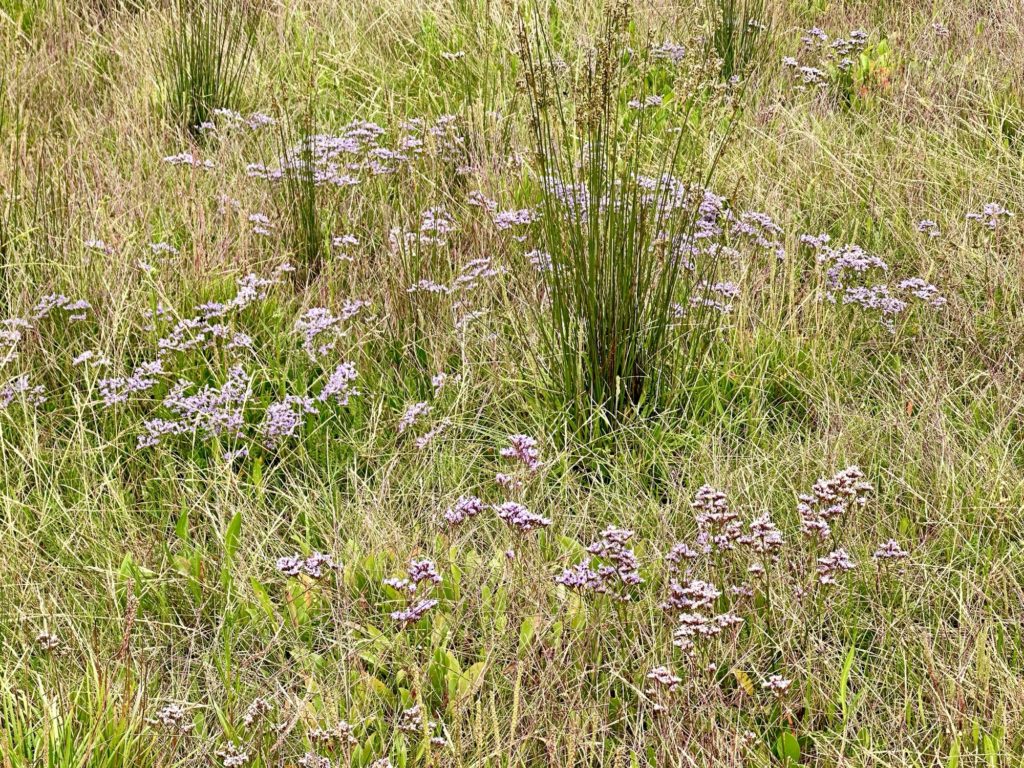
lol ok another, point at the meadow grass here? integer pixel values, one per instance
(288, 473)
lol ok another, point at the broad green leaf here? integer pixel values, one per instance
(181, 526)
(264, 599)
(232, 537)
(788, 748)
(526, 632)
(471, 678)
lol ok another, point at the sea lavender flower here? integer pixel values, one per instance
(419, 572)
(429, 436)
(817, 242)
(338, 385)
(343, 242)
(232, 756)
(261, 224)
(313, 760)
(257, 711)
(759, 229)
(352, 307)
(876, 298)
(411, 720)
(922, 290)
(663, 677)
(20, 386)
(523, 448)
(617, 570)
(832, 564)
(517, 516)
(11, 333)
(715, 296)
(929, 227)
(98, 245)
(414, 612)
(238, 453)
(521, 217)
(463, 509)
(661, 685)
(206, 413)
(680, 551)
(718, 526)
(812, 76)
(438, 381)
(690, 596)
(990, 215)
(507, 481)
(475, 272)
(847, 262)
(117, 390)
(890, 550)
(668, 51)
(47, 642)
(171, 718)
(412, 414)
(428, 286)
(315, 323)
(188, 158)
(830, 498)
(696, 626)
(284, 417)
(342, 733)
(423, 570)
(290, 565)
(479, 200)
(764, 537)
(777, 684)
(162, 248)
(313, 566)
(539, 260)
(316, 564)
(814, 37)
(648, 102)
(582, 578)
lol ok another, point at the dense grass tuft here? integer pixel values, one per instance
(204, 62)
(621, 205)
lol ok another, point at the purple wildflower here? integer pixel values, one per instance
(463, 509)
(523, 448)
(517, 516)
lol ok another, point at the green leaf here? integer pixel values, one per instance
(264, 599)
(471, 678)
(181, 526)
(788, 748)
(232, 536)
(526, 632)
(844, 682)
(373, 686)
(990, 748)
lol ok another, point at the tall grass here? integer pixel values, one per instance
(740, 28)
(98, 723)
(299, 202)
(205, 60)
(620, 202)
